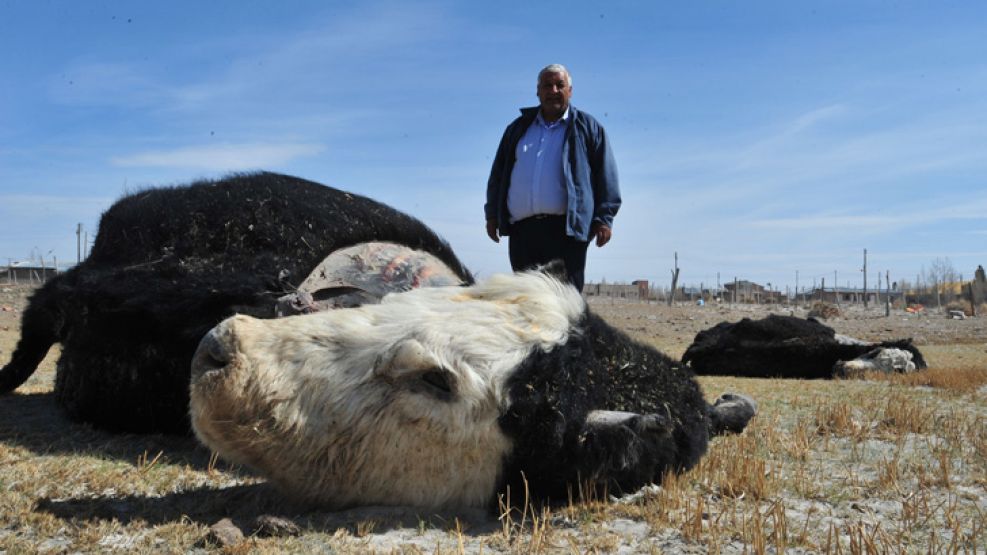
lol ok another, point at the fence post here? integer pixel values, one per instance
(973, 303)
(887, 298)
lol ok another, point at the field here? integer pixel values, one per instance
(881, 465)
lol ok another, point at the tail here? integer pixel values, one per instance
(41, 326)
(731, 413)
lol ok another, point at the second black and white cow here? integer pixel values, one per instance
(445, 397)
(789, 347)
(170, 263)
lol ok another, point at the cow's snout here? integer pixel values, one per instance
(213, 353)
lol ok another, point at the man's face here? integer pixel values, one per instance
(554, 93)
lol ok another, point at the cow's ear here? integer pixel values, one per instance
(556, 269)
(407, 357)
(412, 367)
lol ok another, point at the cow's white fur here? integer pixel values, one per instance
(880, 360)
(332, 407)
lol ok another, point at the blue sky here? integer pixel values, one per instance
(756, 139)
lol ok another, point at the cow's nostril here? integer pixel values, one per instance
(211, 355)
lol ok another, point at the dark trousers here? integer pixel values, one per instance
(542, 239)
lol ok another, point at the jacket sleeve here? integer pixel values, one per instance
(495, 183)
(606, 189)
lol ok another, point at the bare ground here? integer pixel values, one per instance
(886, 465)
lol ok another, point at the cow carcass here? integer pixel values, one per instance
(790, 347)
(445, 397)
(168, 264)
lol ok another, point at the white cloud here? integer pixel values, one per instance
(221, 157)
(825, 222)
(108, 83)
(915, 213)
(346, 53)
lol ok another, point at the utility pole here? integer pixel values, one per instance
(78, 243)
(887, 286)
(675, 279)
(836, 285)
(865, 278)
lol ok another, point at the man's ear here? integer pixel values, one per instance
(556, 269)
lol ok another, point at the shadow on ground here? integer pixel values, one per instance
(35, 422)
(244, 504)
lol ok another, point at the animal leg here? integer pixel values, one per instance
(624, 450)
(731, 413)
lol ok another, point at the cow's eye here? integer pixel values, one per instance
(438, 380)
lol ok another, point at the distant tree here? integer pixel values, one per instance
(675, 279)
(940, 273)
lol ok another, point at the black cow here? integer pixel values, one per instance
(170, 263)
(783, 347)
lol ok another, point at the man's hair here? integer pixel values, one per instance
(555, 68)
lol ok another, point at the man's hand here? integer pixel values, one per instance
(602, 233)
(492, 230)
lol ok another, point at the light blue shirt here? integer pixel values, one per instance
(537, 184)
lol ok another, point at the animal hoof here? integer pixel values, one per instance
(732, 412)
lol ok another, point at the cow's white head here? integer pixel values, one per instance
(395, 403)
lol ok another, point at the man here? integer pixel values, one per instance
(553, 185)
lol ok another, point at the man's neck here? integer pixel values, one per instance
(553, 116)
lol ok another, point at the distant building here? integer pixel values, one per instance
(637, 290)
(851, 295)
(743, 291)
(642, 288)
(26, 272)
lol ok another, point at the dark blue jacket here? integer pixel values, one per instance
(589, 169)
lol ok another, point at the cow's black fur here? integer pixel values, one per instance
(777, 347)
(170, 263)
(601, 368)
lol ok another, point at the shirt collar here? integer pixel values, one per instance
(564, 119)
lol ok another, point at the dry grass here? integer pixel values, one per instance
(958, 379)
(890, 464)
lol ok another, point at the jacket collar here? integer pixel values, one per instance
(531, 112)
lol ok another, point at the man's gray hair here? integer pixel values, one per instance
(556, 68)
